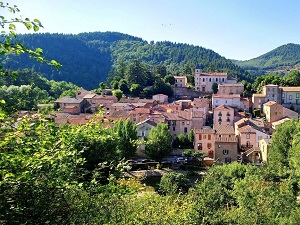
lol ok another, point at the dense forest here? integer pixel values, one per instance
(89, 58)
(281, 60)
(24, 89)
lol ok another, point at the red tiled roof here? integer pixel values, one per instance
(223, 107)
(223, 129)
(270, 103)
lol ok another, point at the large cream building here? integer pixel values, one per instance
(204, 81)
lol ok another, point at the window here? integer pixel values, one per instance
(219, 114)
(219, 146)
(173, 128)
(209, 79)
(143, 134)
(200, 136)
(283, 95)
(248, 136)
(185, 130)
(182, 122)
(248, 144)
(225, 152)
(199, 146)
(204, 136)
(217, 79)
(217, 101)
(203, 80)
(223, 79)
(227, 160)
(290, 97)
(297, 95)
(220, 135)
(208, 145)
(187, 122)
(209, 137)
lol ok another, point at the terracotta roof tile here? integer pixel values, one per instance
(224, 129)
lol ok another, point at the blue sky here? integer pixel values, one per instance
(236, 29)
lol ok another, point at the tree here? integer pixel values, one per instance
(215, 88)
(181, 141)
(127, 134)
(39, 169)
(9, 44)
(169, 79)
(136, 89)
(136, 74)
(173, 183)
(118, 93)
(123, 86)
(159, 143)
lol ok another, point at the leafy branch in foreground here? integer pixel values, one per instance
(8, 42)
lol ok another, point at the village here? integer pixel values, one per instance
(226, 126)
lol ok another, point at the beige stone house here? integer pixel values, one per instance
(160, 98)
(204, 141)
(230, 88)
(180, 81)
(143, 130)
(226, 150)
(223, 115)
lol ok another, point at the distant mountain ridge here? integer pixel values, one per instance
(281, 59)
(88, 58)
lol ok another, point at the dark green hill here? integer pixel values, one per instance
(281, 59)
(88, 58)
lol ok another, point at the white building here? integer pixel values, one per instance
(204, 81)
(233, 100)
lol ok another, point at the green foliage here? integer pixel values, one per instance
(10, 45)
(30, 88)
(215, 88)
(38, 169)
(136, 89)
(126, 131)
(256, 112)
(169, 79)
(283, 56)
(159, 143)
(172, 183)
(101, 56)
(118, 93)
(187, 153)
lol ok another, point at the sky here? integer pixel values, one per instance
(236, 29)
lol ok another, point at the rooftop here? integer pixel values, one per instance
(223, 107)
(224, 129)
(226, 96)
(213, 74)
(290, 88)
(69, 100)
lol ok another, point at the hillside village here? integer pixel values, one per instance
(226, 126)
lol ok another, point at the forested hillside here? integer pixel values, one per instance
(88, 58)
(281, 59)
